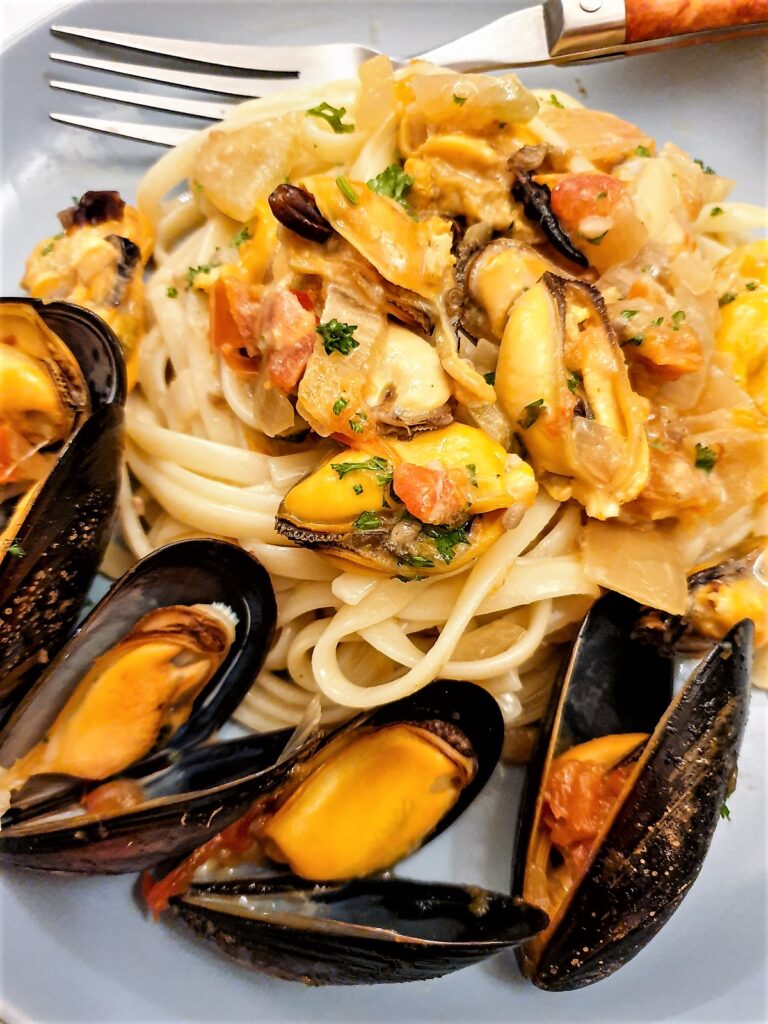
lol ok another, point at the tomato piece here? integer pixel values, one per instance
(586, 195)
(285, 366)
(433, 494)
(669, 353)
(578, 798)
(305, 299)
(233, 324)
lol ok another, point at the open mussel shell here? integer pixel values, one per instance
(185, 573)
(650, 849)
(53, 550)
(363, 932)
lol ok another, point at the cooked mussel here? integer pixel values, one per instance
(719, 595)
(409, 508)
(624, 794)
(61, 425)
(103, 755)
(562, 378)
(367, 796)
(363, 932)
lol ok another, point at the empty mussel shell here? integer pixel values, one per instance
(364, 932)
(56, 534)
(611, 869)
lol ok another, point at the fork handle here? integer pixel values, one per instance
(657, 19)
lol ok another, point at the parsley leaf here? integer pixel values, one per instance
(677, 318)
(531, 413)
(337, 337)
(393, 182)
(574, 381)
(705, 168)
(657, 322)
(333, 115)
(446, 539)
(490, 378)
(16, 550)
(417, 561)
(642, 151)
(725, 812)
(372, 465)
(751, 286)
(357, 488)
(726, 299)
(192, 272)
(716, 211)
(705, 458)
(346, 190)
(339, 405)
(171, 292)
(627, 314)
(357, 422)
(637, 340)
(601, 195)
(472, 470)
(242, 236)
(47, 249)
(597, 239)
(459, 100)
(555, 101)
(368, 521)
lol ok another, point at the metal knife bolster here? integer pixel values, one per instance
(576, 27)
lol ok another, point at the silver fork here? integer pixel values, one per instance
(560, 31)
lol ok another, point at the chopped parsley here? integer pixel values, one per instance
(333, 115)
(658, 445)
(199, 187)
(409, 579)
(637, 340)
(393, 182)
(601, 195)
(459, 100)
(705, 458)
(597, 239)
(373, 465)
(490, 378)
(339, 405)
(472, 470)
(242, 236)
(725, 812)
(704, 167)
(555, 101)
(677, 318)
(368, 521)
(642, 151)
(357, 488)
(751, 285)
(574, 381)
(446, 539)
(192, 272)
(57, 237)
(657, 322)
(337, 337)
(346, 190)
(357, 422)
(531, 413)
(627, 314)
(726, 299)
(16, 550)
(171, 292)
(47, 249)
(716, 211)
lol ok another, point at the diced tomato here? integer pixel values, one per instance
(285, 366)
(305, 299)
(578, 798)
(578, 196)
(433, 494)
(669, 353)
(232, 843)
(233, 323)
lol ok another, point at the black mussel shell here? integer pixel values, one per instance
(65, 533)
(188, 572)
(655, 841)
(360, 933)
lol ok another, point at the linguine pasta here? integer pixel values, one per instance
(648, 455)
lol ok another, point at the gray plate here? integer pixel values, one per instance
(79, 950)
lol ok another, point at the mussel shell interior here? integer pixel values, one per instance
(188, 572)
(369, 931)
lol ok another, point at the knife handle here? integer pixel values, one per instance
(658, 19)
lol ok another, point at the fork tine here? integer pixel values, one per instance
(250, 87)
(282, 59)
(169, 104)
(160, 136)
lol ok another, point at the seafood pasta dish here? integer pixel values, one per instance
(427, 376)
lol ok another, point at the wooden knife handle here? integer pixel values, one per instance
(655, 19)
